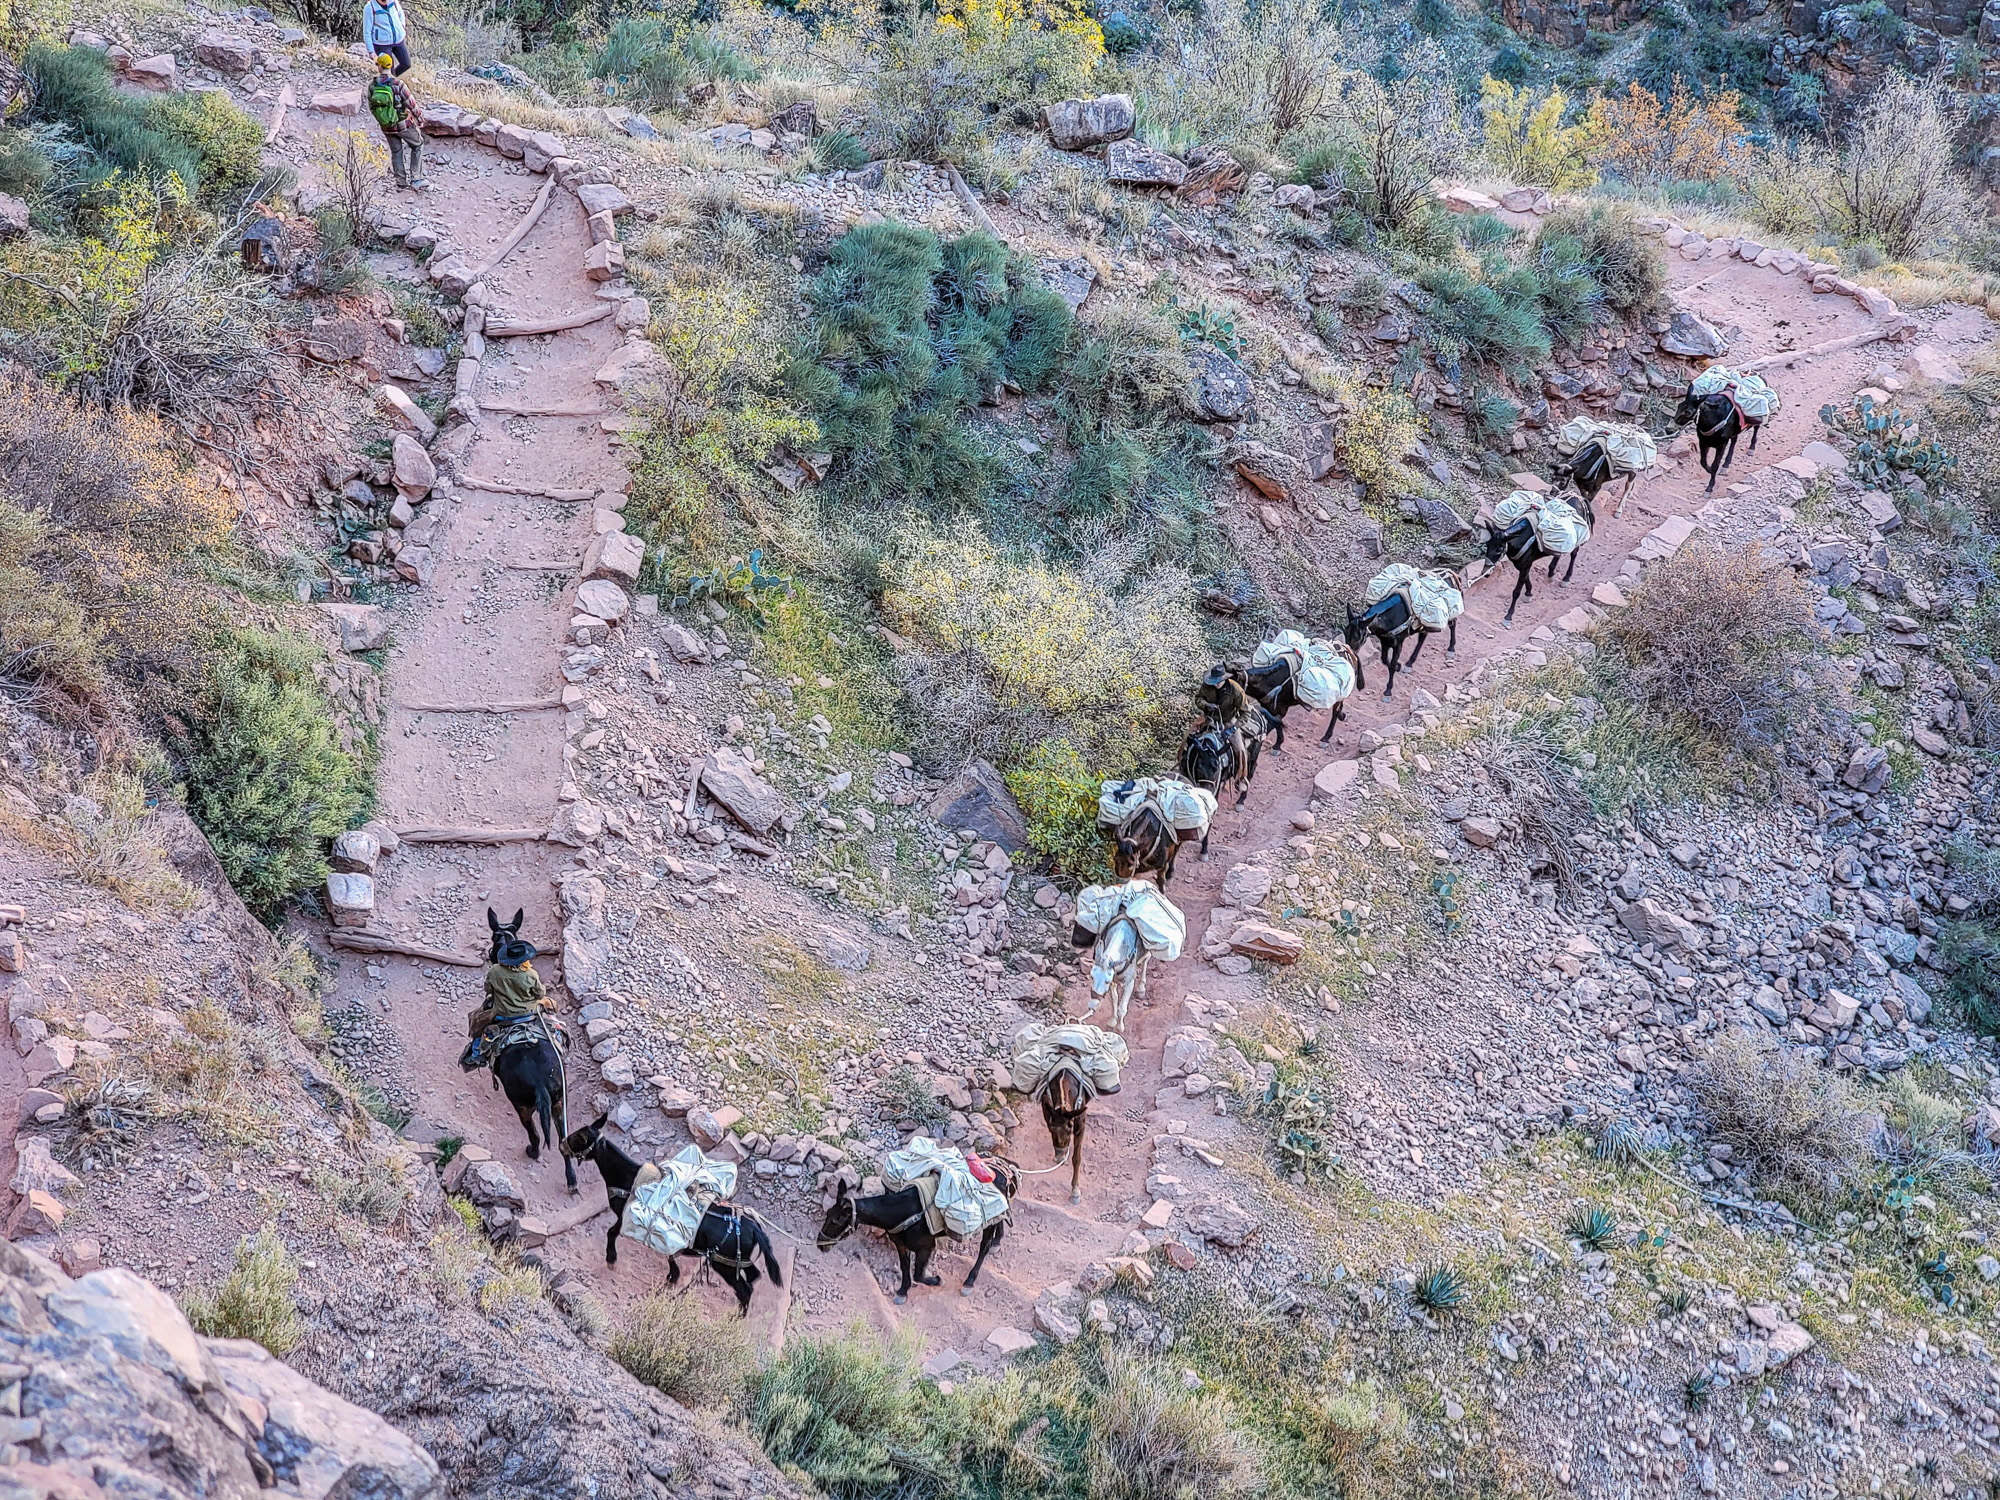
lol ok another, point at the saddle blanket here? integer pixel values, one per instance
(1040, 1050)
(1161, 926)
(1560, 528)
(1187, 809)
(1629, 449)
(955, 1201)
(1431, 597)
(668, 1200)
(1322, 674)
(1752, 394)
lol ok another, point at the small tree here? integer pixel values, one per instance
(1898, 185)
(1527, 139)
(1406, 133)
(354, 161)
(1648, 141)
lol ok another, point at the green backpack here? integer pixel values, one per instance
(382, 103)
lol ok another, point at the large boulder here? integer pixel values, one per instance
(413, 470)
(1222, 390)
(729, 777)
(1220, 1222)
(362, 627)
(13, 217)
(1077, 123)
(127, 1399)
(976, 798)
(586, 935)
(1136, 165)
(226, 52)
(1693, 337)
(1650, 922)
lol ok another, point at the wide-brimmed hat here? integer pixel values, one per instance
(515, 952)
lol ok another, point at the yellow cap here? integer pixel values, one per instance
(384, 60)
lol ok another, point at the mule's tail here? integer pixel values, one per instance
(770, 1255)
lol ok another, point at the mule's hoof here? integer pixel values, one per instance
(1076, 1196)
(901, 1299)
(966, 1290)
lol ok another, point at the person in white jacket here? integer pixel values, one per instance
(386, 31)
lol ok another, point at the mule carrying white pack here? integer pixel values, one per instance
(1039, 1050)
(963, 1202)
(1629, 449)
(1559, 527)
(1161, 926)
(1432, 597)
(1752, 394)
(664, 1215)
(1321, 675)
(1187, 809)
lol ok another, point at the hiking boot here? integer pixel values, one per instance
(402, 186)
(421, 183)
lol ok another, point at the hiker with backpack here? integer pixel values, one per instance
(386, 31)
(390, 103)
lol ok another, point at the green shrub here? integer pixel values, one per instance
(672, 1345)
(837, 151)
(1058, 795)
(1509, 65)
(1565, 290)
(73, 88)
(910, 333)
(255, 1301)
(1969, 953)
(1623, 261)
(852, 1418)
(1489, 320)
(267, 779)
(1152, 1436)
(226, 142)
(660, 62)
(23, 168)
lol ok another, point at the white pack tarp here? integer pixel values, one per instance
(665, 1214)
(1039, 1049)
(1187, 809)
(1322, 674)
(966, 1204)
(1559, 527)
(1753, 395)
(1432, 596)
(1161, 926)
(1631, 450)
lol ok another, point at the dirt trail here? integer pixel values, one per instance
(489, 628)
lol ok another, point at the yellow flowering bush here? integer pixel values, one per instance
(1038, 51)
(1377, 430)
(1020, 651)
(1527, 139)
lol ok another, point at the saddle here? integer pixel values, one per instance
(484, 1050)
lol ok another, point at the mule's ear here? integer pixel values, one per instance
(492, 921)
(600, 1121)
(519, 913)
(840, 1190)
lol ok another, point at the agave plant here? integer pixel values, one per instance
(1439, 1289)
(1678, 1299)
(1593, 1225)
(1695, 1391)
(1617, 1142)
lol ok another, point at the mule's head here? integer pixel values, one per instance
(1690, 403)
(1498, 538)
(1125, 856)
(839, 1221)
(1117, 948)
(503, 932)
(1355, 630)
(582, 1144)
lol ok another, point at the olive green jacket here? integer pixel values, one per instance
(514, 992)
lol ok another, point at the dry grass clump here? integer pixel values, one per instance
(1795, 1126)
(1356, 1437)
(669, 1344)
(1711, 639)
(255, 1300)
(1151, 1436)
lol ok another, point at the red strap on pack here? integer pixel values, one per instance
(979, 1168)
